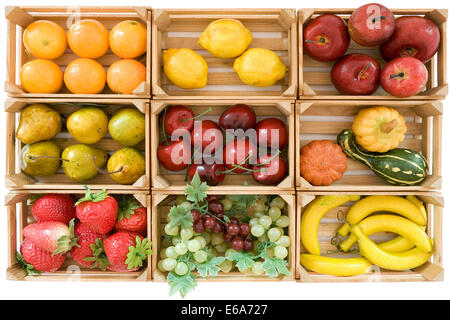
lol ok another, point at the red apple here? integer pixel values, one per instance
(326, 38)
(371, 25)
(404, 77)
(356, 74)
(413, 37)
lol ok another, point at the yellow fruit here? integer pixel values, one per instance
(45, 39)
(311, 218)
(259, 67)
(88, 125)
(185, 68)
(128, 39)
(41, 76)
(225, 38)
(88, 38)
(38, 122)
(85, 76)
(335, 266)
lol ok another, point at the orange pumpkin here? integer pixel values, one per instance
(322, 162)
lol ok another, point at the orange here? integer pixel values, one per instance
(85, 75)
(45, 39)
(124, 76)
(128, 39)
(41, 76)
(88, 38)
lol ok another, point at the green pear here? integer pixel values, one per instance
(127, 126)
(88, 125)
(78, 161)
(126, 165)
(40, 158)
(38, 122)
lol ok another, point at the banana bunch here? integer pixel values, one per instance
(410, 249)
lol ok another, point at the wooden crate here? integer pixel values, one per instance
(323, 120)
(314, 76)
(19, 216)
(274, 29)
(163, 201)
(162, 179)
(431, 271)
(15, 178)
(18, 18)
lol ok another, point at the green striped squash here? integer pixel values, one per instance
(403, 167)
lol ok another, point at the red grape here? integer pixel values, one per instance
(218, 227)
(237, 243)
(245, 229)
(198, 226)
(211, 198)
(248, 245)
(215, 207)
(196, 215)
(209, 222)
(234, 220)
(228, 237)
(233, 228)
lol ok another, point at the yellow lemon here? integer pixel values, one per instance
(259, 67)
(185, 68)
(226, 38)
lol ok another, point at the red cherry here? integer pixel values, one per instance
(272, 172)
(236, 152)
(209, 173)
(178, 117)
(239, 116)
(267, 131)
(207, 135)
(175, 155)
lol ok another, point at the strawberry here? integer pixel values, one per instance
(88, 242)
(97, 211)
(36, 260)
(126, 251)
(53, 237)
(131, 217)
(54, 207)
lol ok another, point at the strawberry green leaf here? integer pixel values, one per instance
(137, 254)
(196, 190)
(33, 198)
(273, 267)
(98, 256)
(182, 284)
(243, 260)
(210, 267)
(127, 207)
(180, 216)
(67, 242)
(94, 197)
(28, 267)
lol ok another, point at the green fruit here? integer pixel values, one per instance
(128, 165)
(38, 122)
(88, 125)
(79, 163)
(127, 127)
(32, 164)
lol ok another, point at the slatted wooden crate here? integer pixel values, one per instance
(431, 271)
(18, 18)
(15, 178)
(162, 179)
(324, 120)
(274, 29)
(19, 216)
(163, 201)
(314, 76)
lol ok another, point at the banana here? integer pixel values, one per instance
(391, 223)
(335, 266)
(311, 218)
(371, 204)
(414, 200)
(387, 260)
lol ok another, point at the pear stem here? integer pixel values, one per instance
(104, 171)
(47, 157)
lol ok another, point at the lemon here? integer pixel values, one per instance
(259, 67)
(185, 68)
(226, 38)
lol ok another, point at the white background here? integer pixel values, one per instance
(220, 290)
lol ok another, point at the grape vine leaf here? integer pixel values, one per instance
(196, 190)
(274, 266)
(210, 267)
(182, 284)
(180, 216)
(244, 260)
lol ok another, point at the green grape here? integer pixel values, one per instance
(259, 206)
(258, 214)
(181, 268)
(180, 199)
(262, 198)
(169, 264)
(222, 247)
(213, 252)
(265, 221)
(282, 222)
(171, 231)
(181, 248)
(280, 252)
(186, 233)
(257, 230)
(200, 256)
(226, 266)
(270, 252)
(176, 240)
(284, 241)
(278, 202)
(263, 238)
(162, 254)
(274, 213)
(206, 236)
(258, 268)
(160, 266)
(186, 205)
(230, 252)
(253, 221)
(201, 240)
(274, 234)
(217, 238)
(171, 252)
(193, 245)
(227, 204)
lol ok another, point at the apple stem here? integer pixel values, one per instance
(104, 171)
(197, 116)
(398, 75)
(363, 72)
(322, 40)
(47, 157)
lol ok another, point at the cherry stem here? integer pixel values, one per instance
(197, 116)
(104, 171)
(47, 157)
(363, 72)
(268, 160)
(164, 127)
(398, 75)
(235, 166)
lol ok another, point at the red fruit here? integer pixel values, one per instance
(209, 173)
(40, 260)
(371, 25)
(245, 229)
(404, 77)
(126, 251)
(199, 226)
(215, 207)
(248, 245)
(268, 130)
(234, 220)
(86, 238)
(270, 171)
(174, 155)
(227, 237)
(414, 36)
(356, 74)
(54, 207)
(132, 216)
(239, 116)
(53, 237)
(209, 222)
(212, 197)
(239, 152)
(237, 244)
(97, 211)
(178, 117)
(207, 135)
(196, 215)
(326, 38)
(233, 229)
(218, 227)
